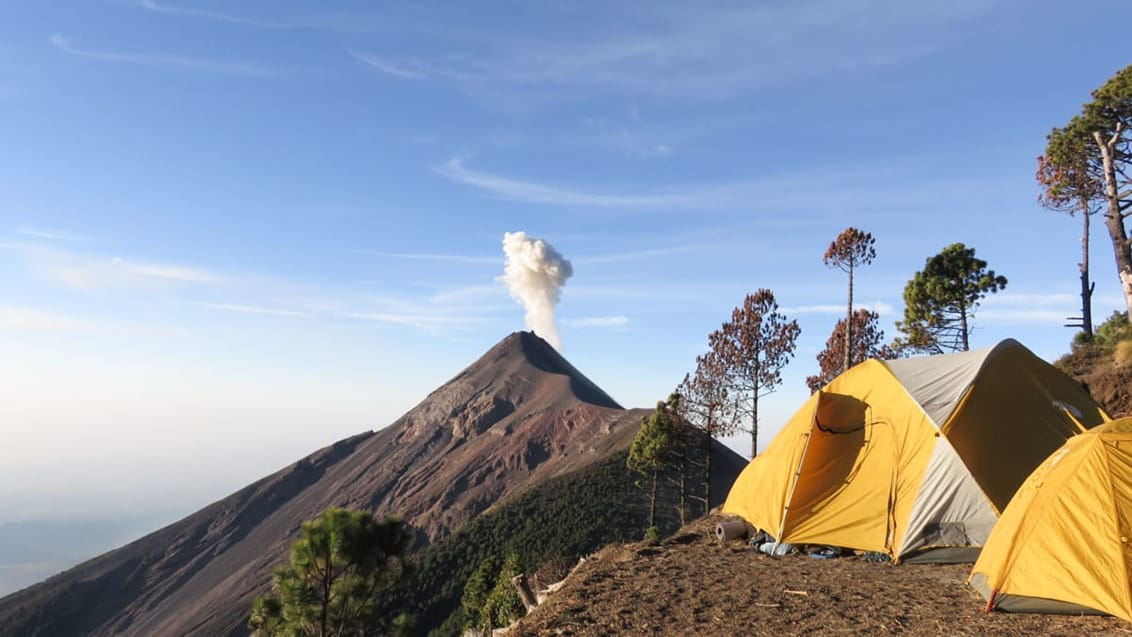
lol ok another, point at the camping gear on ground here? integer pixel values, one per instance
(1062, 545)
(775, 549)
(731, 529)
(913, 458)
(824, 552)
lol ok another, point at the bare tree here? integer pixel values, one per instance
(705, 403)
(851, 248)
(869, 343)
(754, 347)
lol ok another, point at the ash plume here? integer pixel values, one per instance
(534, 273)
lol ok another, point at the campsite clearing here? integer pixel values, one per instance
(689, 584)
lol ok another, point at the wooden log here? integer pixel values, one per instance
(731, 529)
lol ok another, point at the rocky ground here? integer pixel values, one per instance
(690, 584)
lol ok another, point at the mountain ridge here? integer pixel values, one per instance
(519, 415)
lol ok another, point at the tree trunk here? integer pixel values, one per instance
(707, 475)
(326, 585)
(652, 501)
(684, 486)
(849, 326)
(1113, 218)
(755, 422)
(963, 326)
(1086, 289)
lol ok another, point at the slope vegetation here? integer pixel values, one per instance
(549, 528)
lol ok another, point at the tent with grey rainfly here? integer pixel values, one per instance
(915, 458)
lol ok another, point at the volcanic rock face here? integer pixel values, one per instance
(519, 415)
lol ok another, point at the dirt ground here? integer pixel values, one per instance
(691, 585)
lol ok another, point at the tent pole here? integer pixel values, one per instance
(797, 474)
(990, 601)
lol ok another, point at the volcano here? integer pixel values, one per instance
(519, 416)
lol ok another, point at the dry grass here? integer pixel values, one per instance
(691, 585)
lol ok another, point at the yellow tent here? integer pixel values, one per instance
(914, 457)
(1062, 546)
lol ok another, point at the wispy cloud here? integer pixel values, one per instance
(443, 312)
(1026, 308)
(1020, 317)
(471, 294)
(90, 273)
(208, 15)
(167, 272)
(424, 322)
(1031, 300)
(429, 256)
(23, 318)
(688, 52)
(597, 321)
(879, 307)
(389, 68)
(50, 234)
(330, 22)
(531, 192)
(635, 255)
(254, 309)
(161, 61)
(876, 190)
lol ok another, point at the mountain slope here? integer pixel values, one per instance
(515, 418)
(549, 527)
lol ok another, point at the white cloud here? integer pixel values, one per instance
(597, 321)
(531, 192)
(637, 254)
(876, 190)
(443, 312)
(686, 52)
(389, 68)
(879, 307)
(426, 256)
(49, 234)
(208, 15)
(167, 272)
(332, 23)
(253, 309)
(469, 294)
(424, 322)
(1021, 317)
(161, 61)
(1016, 299)
(23, 318)
(1027, 308)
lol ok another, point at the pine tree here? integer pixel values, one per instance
(851, 249)
(342, 560)
(940, 300)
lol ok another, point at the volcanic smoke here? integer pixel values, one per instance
(534, 273)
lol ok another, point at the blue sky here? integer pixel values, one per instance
(231, 233)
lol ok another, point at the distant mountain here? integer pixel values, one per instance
(32, 550)
(518, 417)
